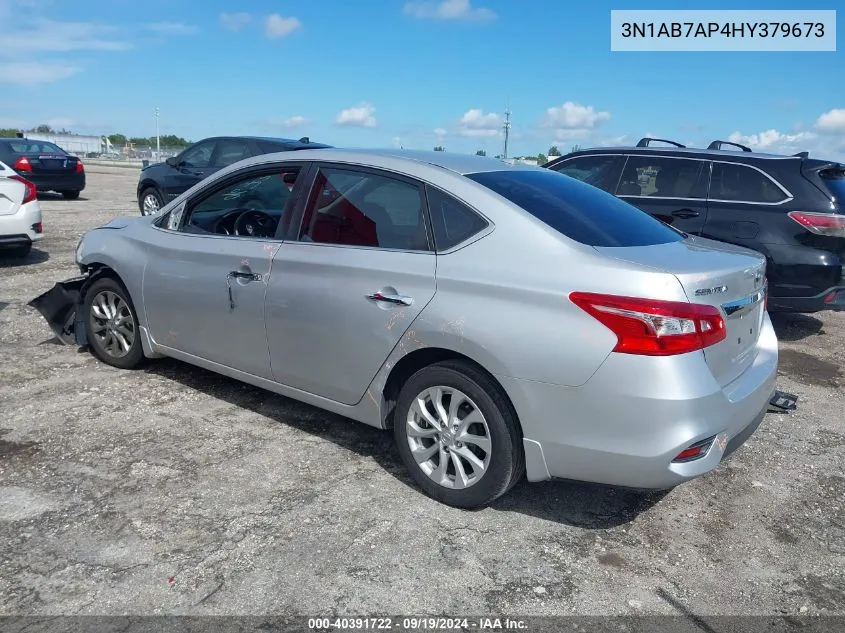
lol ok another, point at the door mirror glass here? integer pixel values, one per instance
(172, 161)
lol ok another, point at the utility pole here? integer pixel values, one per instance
(507, 128)
(158, 139)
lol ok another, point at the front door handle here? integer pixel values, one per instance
(396, 299)
(686, 214)
(240, 274)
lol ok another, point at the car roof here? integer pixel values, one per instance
(694, 151)
(459, 163)
(296, 143)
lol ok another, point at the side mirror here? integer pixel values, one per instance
(172, 161)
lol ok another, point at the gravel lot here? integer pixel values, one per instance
(174, 490)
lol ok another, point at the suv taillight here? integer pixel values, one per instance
(829, 224)
(22, 164)
(30, 191)
(652, 327)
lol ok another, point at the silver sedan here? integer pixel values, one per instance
(504, 321)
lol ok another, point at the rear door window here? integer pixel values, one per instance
(739, 183)
(579, 211)
(663, 177)
(597, 170)
(453, 222)
(230, 152)
(834, 180)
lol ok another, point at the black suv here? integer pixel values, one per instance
(789, 208)
(162, 182)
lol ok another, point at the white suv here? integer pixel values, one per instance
(20, 214)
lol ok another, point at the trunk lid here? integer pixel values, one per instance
(718, 274)
(52, 163)
(11, 194)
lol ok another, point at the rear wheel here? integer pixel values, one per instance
(458, 435)
(111, 324)
(70, 195)
(150, 201)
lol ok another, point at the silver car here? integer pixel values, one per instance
(504, 321)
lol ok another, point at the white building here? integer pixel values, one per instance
(72, 143)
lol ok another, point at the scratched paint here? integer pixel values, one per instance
(372, 397)
(395, 317)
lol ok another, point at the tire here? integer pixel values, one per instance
(154, 204)
(502, 466)
(70, 195)
(107, 337)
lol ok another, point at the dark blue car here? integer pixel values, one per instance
(160, 183)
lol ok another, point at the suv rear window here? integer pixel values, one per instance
(579, 211)
(834, 180)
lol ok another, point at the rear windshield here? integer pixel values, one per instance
(580, 211)
(834, 180)
(35, 147)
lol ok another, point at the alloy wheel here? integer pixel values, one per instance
(150, 204)
(112, 324)
(449, 437)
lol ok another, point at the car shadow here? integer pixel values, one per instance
(590, 506)
(50, 195)
(795, 327)
(35, 256)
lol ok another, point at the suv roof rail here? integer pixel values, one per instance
(644, 142)
(305, 140)
(802, 154)
(718, 145)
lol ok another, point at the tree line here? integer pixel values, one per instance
(166, 140)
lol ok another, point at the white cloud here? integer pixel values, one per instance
(448, 10)
(294, 122)
(476, 123)
(440, 132)
(235, 21)
(574, 116)
(361, 115)
(829, 147)
(833, 121)
(50, 36)
(276, 26)
(172, 28)
(34, 73)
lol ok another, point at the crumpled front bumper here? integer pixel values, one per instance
(60, 307)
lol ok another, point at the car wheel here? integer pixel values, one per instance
(70, 195)
(111, 324)
(150, 201)
(458, 435)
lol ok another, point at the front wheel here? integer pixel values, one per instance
(70, 195)
(458, 435)
(111, 324)
(150, 201)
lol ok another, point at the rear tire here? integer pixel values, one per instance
(482, 460)
(150, 202)
(111, 324)
(70, 195)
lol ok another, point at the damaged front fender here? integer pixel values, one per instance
(61, 307)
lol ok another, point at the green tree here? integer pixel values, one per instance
(8, 132)
(42, 129)
(439, 148)
(481, 152)
(553, 151)
(541, 159)
(117, 139)
(575, 148)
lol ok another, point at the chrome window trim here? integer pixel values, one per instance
(789, 196)
(740, 306)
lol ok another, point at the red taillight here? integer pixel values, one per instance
(830, 298)
(79, 167)
(830, 224)
(22, 164)
(38, 227)
(30, 191)
(696, 451)
(652, 327)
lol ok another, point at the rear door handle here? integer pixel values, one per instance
(685, 214)
(396, 299)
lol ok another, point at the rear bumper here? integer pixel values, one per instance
(20, 229)
(56, 182)
(627, 423)
(831, 299)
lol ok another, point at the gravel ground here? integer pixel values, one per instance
(174, 490)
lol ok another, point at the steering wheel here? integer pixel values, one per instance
(254, 223)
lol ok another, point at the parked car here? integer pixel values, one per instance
(501, 319)
(789, 208)
(46, 165)
(160, 183)
(20, 214)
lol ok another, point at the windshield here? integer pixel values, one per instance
(580, 211)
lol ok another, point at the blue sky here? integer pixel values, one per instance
(391, 72)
